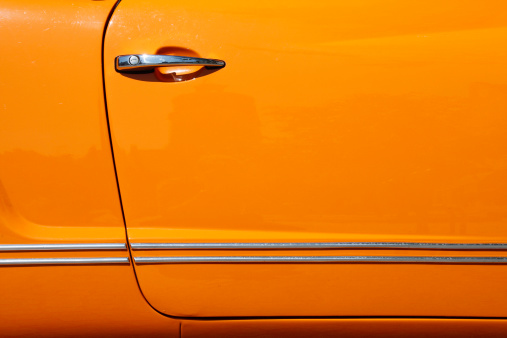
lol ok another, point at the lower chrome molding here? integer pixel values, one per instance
(320, 245)
(320, 259)
(64, 261)
(63, 247)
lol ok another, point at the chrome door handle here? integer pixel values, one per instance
(144, 62)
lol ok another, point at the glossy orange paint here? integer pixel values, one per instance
(77, 301)
(392, 327)
(57, 181)
(57, 178)
(299, 290)
(332, 121)
(317, 96)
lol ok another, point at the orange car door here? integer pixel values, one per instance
(349, 159)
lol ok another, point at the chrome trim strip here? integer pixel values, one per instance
(320, 245)
(64, 261)
(319, 259)
(62, 247)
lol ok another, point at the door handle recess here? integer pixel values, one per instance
(143, 63)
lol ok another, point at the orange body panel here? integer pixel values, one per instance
(57, 178)
(333, 121)
(77, 301)
(359, 328)
(57, 181)
(333, 117)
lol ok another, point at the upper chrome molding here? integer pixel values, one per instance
(320, 245)
(321, 259)
(64, 261)
(145, 62)
(63, 247)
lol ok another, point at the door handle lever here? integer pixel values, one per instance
(143, 62)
